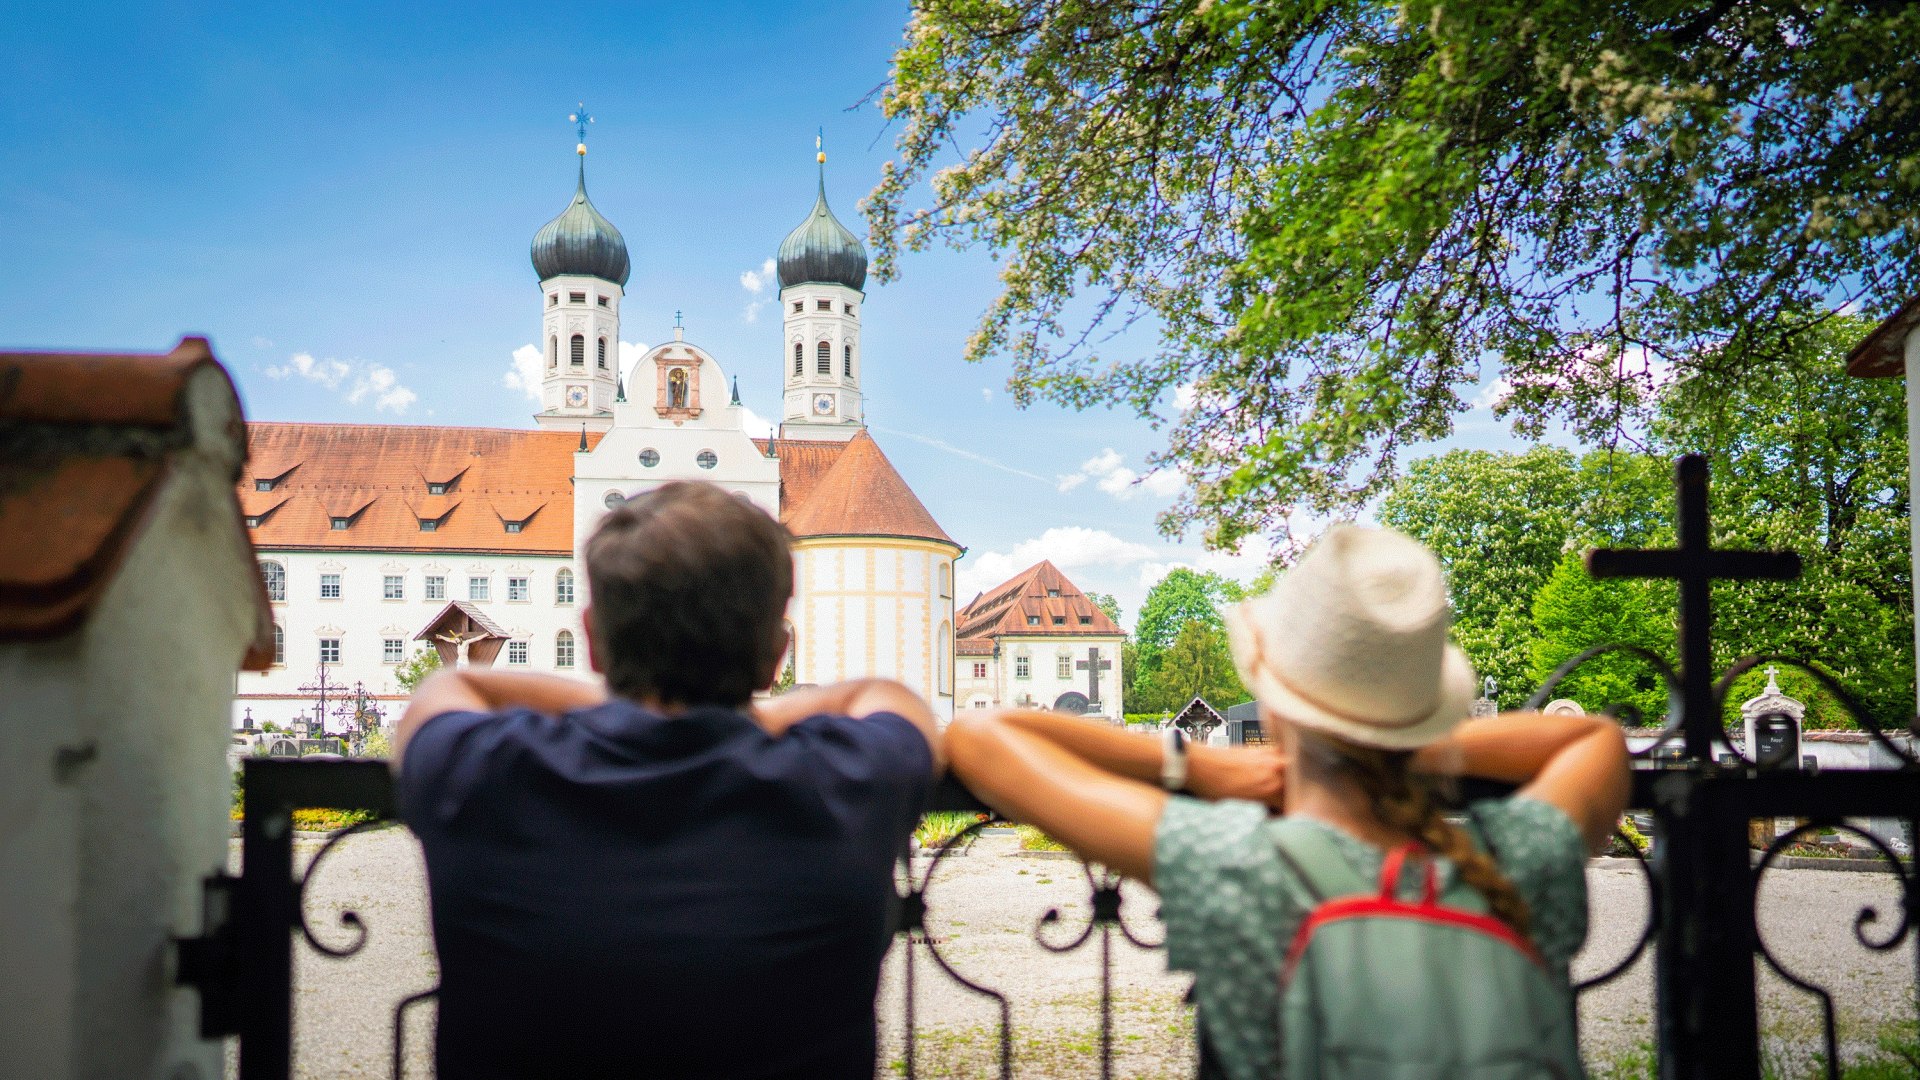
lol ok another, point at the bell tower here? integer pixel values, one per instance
(582, 263)
(823, 270)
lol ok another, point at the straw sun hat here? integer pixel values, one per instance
(1353, 642)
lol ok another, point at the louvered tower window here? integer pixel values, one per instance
(579, 350)
(823, 359)
(603, 354)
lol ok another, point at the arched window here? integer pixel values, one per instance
(847, 362)
(603, 354)
(563, 586)
(579, 350)
(943, 660)
(553, 352)
(279, 644)
(563, 649)
(799, 357)
(946, 578)
(823, 361)
(275, 577)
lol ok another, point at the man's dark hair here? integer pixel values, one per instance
(689, 595)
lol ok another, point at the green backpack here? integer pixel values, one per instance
(1383, 988)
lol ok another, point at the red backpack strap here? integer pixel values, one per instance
(1391, 866)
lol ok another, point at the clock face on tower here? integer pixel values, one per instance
(577, 396)
(823, 404)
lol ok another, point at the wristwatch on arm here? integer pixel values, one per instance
(1173, 762)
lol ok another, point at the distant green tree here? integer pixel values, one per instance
(1198, 664)
(1106, 603)
(1183, 596)
(1574, 611)
(416, 668)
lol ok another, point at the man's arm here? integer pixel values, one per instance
(858, 698)
(468, 690)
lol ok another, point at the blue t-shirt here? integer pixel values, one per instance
(620, 893)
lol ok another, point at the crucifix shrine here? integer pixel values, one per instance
(1093, 665)
(1696, 564)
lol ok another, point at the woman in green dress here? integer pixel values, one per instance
(1366, 698)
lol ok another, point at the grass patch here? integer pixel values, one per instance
(1032, 839)
(942, 827)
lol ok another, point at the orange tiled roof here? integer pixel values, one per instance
(1041, 591)
(860, 494)
(89, 440)
(377, 476)
(973, 646)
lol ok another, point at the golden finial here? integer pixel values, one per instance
(820, 153)
(579, 116)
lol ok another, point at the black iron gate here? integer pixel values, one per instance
(1701, 791)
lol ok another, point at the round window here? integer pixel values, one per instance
(614, 499)
(708, 459)
(649, 457)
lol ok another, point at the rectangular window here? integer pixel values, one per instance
(515, 526)
(329, 650)
(563, 650)
(1033, 620)
(796, 305)
(563, 587)
(1059, 620)
(576, 298)
(1064, 668)
(848, 307)
(436, 489)
(479, 588)
(329, 586)
(340, 524)
(393, 587)
(436, 587)
(606, 301)
(517, 588)
(429, 524)
(553, 298)
(516, 652)
(263, 485)
(392, 650)
(979, 671)
(253, 523)
(823, 305)
(1022, 667)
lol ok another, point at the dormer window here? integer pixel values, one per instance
(436, 489)
(515, 526)
(429, 524)
(1059, 620)
(1053, 592)
(263, 485)
(823, 305)
(340, 524)
(1086, 620)
(1033, 620)
(576, 298)
(253, 522)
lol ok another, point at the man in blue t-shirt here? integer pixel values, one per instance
(664, 878)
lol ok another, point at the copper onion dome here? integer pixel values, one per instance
(581, 242)
(821, 250)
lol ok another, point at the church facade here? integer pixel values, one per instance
(1037, 641)
(378, 541)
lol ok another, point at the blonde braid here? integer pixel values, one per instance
(1405, 801)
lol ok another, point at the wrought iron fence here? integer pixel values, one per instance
(1699, 787)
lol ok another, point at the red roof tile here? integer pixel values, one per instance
(381, 472)
(1882, 353)
(861, 494)
(1040, 592)
(91, 440)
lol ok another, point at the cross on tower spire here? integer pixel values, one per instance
(581, 119)
(1696, 564)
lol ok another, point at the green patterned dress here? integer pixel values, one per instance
(1230, 907)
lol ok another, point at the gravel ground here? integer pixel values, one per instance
(984, 909)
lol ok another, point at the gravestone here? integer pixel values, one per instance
(1563, 707)
(1772, 721)
(1485, 705)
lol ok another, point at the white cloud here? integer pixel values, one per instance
(1070, 547)
(357, 381)
(756, 283)
(1494, 393)
(524, 373)
(986, 393)
(1109, 472)
(757, 426)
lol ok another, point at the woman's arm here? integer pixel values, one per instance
(1090, 786)
(1577, 763)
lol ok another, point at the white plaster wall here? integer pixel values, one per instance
(100, 871)
(872, 608)
(613, 465)
(362, 619)
(807, 328)
(592, 321)
(1045, 685)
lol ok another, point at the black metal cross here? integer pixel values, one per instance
(1093, 666)
(320, 686)
(1696, 564)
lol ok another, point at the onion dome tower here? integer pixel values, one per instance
(823, 270)
(582, 263)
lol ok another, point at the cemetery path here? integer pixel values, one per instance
(984, 908)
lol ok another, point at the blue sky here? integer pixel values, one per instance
(357, 184)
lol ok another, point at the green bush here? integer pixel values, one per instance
(1632, 835)
(1032, 839)
(939, 828)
